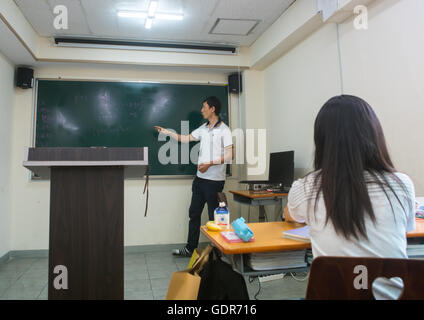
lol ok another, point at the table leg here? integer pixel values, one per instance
(277, 210)
(261, 213)
(239, 210)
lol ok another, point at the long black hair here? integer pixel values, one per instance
(349, 141)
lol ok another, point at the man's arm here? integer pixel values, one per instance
(228, 155)
(176, 136)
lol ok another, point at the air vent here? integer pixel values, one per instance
(234, 27)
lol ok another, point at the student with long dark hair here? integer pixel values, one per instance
(355, 202)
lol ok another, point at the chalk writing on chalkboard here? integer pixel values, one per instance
(121, 114)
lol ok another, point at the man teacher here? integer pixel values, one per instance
(216, 150)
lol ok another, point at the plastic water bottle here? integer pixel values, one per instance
(222, 216)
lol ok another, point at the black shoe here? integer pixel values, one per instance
(183, 252)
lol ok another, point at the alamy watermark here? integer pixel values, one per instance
(361, 280)
(60, 282)
(61, 17)
(249, 148)
(360, 22)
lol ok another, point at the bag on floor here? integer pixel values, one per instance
(220, 282)
(184, 285)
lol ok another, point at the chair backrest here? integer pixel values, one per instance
(353, 277)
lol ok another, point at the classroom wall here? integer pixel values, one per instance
(383, 65)
(167, 219)
(255, 119)
(296, 86)
(6, 113)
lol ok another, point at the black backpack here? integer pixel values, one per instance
(220, 282)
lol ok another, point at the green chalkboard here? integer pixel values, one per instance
(121, 114)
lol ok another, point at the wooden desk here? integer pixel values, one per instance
(419, 229)
(268, 237)
(258, 198)
(258, 194)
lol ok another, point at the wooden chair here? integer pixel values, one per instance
(337, 277)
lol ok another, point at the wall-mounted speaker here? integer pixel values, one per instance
(234, 83)
(24, 78)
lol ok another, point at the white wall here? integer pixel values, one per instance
(296, 86)
(6, 113)
(167, 219)
(384, 65)
(254, 119)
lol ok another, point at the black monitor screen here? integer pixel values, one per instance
(281, 167)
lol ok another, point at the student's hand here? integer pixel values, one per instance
(161, 130)
(287, 215)
(203, 167)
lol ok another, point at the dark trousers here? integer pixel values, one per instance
(204, 191)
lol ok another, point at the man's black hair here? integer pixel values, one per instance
(214, 102)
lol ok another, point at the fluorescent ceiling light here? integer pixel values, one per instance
(132, 14)
(150, 14)
(166, 16)
(152, 8)
(149, 22)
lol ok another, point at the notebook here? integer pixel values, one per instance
(301, 234)
(231, 236)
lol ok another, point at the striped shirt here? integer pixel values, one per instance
(386, 238)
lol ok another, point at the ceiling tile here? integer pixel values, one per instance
(98, 18)
(38, 14)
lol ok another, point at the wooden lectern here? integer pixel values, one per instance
(86, 243)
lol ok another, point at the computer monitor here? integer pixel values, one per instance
(281, 168)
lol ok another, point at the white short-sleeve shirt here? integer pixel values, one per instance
(213, 142)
